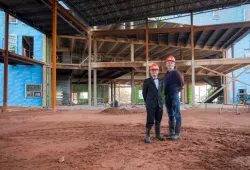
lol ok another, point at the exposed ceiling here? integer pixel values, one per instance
(38, 14)
(100, 12)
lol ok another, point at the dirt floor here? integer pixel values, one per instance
(112, 139)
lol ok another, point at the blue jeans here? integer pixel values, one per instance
(172, 103)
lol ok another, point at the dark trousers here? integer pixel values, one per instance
(154, 114)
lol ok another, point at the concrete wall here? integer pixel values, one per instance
(20, 75)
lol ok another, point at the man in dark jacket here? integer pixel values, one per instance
(174, 83)
(152, 89)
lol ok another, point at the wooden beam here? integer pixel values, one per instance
(86, 46)
(141, 31)
(139, 47)
(111, 48)
(71, 49)
(72, 66)
(163, 44)
(231, 68)
(122, 50)
(232, 38)
(145, 52)
(200, 71)
(72, 37)
(217, 67)
(117, 64)
(188, 70)
(197, 40)
(168, 53)
(222, 26)
(209, 38)
(100, 45)
(159, 51)
(218, 38)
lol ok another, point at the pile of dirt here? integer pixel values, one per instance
(119, 111)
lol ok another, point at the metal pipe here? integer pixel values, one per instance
(6, 45)
(54, 37)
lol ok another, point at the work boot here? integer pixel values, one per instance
(147, 140)
(176, 136)
(157, 133)
(171, 129)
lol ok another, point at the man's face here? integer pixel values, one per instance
(170, 65)
(154, 73)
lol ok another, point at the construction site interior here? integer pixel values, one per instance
(72, 72)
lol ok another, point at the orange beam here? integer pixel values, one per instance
(147, 70)
(22, 58)
(54, 37)
(6, 45)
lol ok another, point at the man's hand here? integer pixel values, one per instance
(180, 89)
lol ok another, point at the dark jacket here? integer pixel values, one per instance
(152, 96)
(173, 82)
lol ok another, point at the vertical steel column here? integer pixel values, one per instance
(193, 70)
(147, 68)
(95, 73)
(6, 45)
(54, 37)
(233, 83)
(89, 67)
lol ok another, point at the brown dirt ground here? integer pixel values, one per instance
(94, 141)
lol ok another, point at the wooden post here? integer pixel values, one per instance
(112, 94)
(132, 49)
(6, 55)
(183, 92)
(54, 37)
(181, 54)
(132, 88)
(193, 70)
(114, 90)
